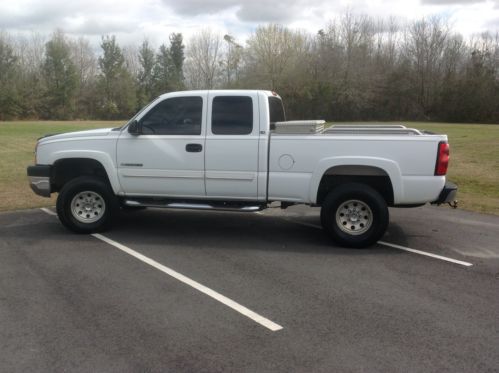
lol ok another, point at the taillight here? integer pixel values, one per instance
(442, 159)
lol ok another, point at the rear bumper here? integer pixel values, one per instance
(448, 194)
(39, 179)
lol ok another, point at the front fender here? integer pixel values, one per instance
(390, 167)
(103, 158)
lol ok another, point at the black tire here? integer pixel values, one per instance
(355, 215)
(100, 190)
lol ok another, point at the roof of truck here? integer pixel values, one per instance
(222, 91)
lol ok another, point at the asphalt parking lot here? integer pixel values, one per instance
(185, 291)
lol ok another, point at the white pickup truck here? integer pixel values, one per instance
(233, 150)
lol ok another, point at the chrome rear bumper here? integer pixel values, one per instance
(448, 194)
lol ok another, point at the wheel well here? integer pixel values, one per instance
(65, 170)
(375, 177)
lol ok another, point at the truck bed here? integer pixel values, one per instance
(406, 155)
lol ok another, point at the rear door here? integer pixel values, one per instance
(231, 157)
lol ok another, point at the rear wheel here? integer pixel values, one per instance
(86, 204)
(354, 215)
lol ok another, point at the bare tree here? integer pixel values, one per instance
(84, 58)
(9, 69)
(202, 55)
(31, 51)
(273, 49)
(425, 45)
(132, 61)
(86, 65)
(231, 61)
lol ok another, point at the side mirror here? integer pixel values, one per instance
(135, 128)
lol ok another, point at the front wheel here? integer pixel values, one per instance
(354, 215)
(86, 204)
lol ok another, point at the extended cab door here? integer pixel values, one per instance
(232, 136)
(167, 159)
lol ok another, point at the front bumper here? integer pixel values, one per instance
(39, 179)
(447, 195)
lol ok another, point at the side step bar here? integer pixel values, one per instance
(194, 205)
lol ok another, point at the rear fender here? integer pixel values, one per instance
(390, 167)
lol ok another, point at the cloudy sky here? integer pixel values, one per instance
(132, 21)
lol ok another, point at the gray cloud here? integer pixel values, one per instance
(268, 11)
(100, 26)
(453, 2)
(247, 11)
(155, 19)
(198, 7)
(70, 16)
(35, 16)
(493, 25)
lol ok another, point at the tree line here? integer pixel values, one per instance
(356, 68)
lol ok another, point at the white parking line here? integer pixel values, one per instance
(48, 211)
(399, 247)
(196, 285)
(466, 264)
(186, 280)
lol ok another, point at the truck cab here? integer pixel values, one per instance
(201, 144)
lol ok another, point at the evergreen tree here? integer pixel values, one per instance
(169, 69)
(163, 70)
(118, 99)
(145, 77)
(177, 60)
(9, 99)
(61, 79)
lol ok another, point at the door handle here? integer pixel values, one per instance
(194, 148)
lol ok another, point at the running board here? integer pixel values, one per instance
(194, 206)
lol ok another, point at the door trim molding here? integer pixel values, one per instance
(231, 175)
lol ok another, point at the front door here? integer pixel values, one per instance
(167, 159)
(232, 146)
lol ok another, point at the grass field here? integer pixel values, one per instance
(474, 161)
(17, 145)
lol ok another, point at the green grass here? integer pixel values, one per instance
(474, 161)
(17, 145)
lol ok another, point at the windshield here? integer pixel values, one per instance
(137, 114)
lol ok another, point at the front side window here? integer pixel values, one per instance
(232, 115)
(174, 116)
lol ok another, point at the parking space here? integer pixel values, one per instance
(76, 302)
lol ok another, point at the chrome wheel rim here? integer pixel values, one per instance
(354, 217)
(88, 207)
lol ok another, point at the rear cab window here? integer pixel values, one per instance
(276, 111)
(232, 115)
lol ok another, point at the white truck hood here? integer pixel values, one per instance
(72, 135)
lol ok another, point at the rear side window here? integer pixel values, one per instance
(174, 116)
(276, 111)
(232, 115)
